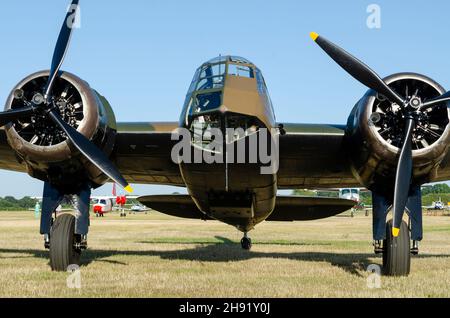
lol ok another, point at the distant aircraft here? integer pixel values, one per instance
(350, 194)
(354, 194)
(436, 205)
(139, 208)
(106, 204)
(102, 205)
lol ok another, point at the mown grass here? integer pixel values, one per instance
(158, 256)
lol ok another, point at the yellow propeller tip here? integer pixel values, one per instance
(395, 232)
(314, 36)
(129, 189)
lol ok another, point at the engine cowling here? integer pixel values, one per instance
(376, 130)
(43, 147)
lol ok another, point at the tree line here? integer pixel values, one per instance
(10, 203)
(430, 194)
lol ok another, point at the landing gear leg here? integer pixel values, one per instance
(414, 207)
(82, 217)
(246, 242)
(415, 248)
(52, 197)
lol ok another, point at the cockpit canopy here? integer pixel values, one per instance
(206, 90)
(226, 92)
(212, 74)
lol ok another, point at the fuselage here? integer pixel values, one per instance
(229, 116)
(102, 205)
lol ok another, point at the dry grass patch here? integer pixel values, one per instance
(159, 256)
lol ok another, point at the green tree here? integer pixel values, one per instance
(304, 193)
(10, 203)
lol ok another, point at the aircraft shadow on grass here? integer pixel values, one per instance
(224, 250)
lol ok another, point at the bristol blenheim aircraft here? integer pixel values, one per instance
(61, 131)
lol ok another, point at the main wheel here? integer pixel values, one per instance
(62, 239)
(397, 251)
(246, 243)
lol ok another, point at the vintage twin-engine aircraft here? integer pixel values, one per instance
(61, 131)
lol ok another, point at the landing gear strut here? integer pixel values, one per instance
(397, 251)
(415, 248)
(65, 235)
(246, 242)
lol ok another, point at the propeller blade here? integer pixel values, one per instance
(60, 51)
(403, 178)
(90, 151)
(14, 114)
(360, 71)
(435, 101)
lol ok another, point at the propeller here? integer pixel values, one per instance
(360, 71)
(62, 45)
(90, 151)
(436, 101)
(403, 178)
(48, 108)
(369, 78)
(11, 115)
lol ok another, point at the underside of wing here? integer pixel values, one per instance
(286, 209)
(308, 208)
(181, 206)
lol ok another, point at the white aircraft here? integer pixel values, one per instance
(353, 194)
(106, 204)
(350, 194)
(436, 205)
(139, 208)
(102, 205)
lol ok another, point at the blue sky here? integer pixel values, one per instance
(142, 54)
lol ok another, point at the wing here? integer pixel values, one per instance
(8, 159)
(313, 156)
(143, 153)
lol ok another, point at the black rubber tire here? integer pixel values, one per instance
(397, 251)
(62, 251)
(246, 244)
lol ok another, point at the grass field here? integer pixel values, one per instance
(158, 256)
